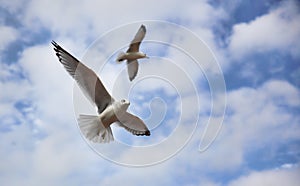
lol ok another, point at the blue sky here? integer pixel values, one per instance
(179, 90)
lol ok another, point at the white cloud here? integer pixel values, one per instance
(86, 21)
(13, 90)
(277, 177)
(282, 93)
(13, 6)
(28, 160)
(51, 84)
(7, 35)
(45, 147)
(91, 18)
(254, 120)
(9, 71)
(276, 31)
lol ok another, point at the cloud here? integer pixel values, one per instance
(44, 146)
(86, 21)
(253, 113)
(13, 6)
(276, 31)
(253, 121)
(46, 75)
(7, 35)
(277, 177)
(12, 95)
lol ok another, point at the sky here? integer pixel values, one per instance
(220, 92)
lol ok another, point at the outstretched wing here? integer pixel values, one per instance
(139, 36)
(87, 79)
(133, 124)
(132, 69)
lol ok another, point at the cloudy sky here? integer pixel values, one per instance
(220, 92)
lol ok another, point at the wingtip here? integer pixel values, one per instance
(54, 43)
(143, 27)
(131, 78)
(147, 133)
(57, 47)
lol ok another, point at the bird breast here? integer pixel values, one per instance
(108, 116)
(134, 55)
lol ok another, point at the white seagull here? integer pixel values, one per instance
(133, 54)
(97, 128)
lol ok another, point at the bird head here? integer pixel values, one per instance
(121, 106)
(125, 104)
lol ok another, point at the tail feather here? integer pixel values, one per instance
(93, 129)
(120, 57)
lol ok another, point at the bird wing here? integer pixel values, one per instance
(133, 124)
(87, 79)
(132, 69)
(139, 36)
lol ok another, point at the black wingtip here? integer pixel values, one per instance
(56, 48)
(147, 133)
(54, 43)
(143, 27)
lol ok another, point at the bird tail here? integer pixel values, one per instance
(120, 57)
(93, 129)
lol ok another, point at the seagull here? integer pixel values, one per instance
(96, 128)
(133, 54)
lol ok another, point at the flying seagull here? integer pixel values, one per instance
(133, 54)
(97, 128)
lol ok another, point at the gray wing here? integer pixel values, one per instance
(87, 79)
(139, 36)
(132, 69)
(133, 124)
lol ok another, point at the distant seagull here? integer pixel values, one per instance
(133, 54)
(97, 128)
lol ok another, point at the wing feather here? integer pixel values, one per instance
(132, 69)
(139, 36)
(87, 79)
(133, 124)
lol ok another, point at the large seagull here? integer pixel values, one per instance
(133, 53)
(97, 128)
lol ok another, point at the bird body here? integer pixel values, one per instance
(130, 56)
(133, 54)
(97, 128)
(111, 112)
